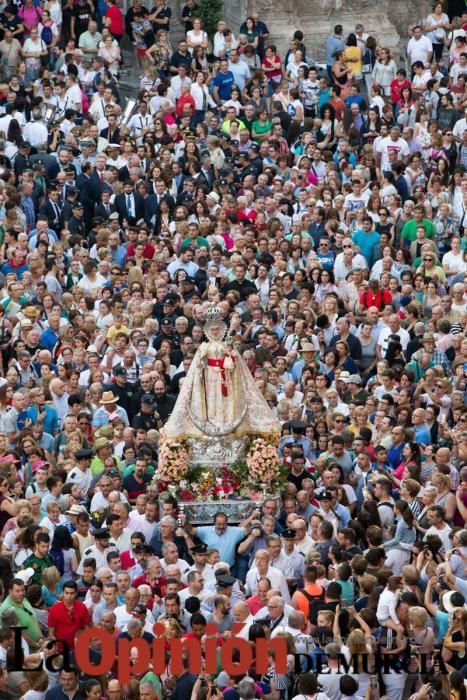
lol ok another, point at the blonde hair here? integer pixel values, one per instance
(50, 577)
(135, 274)
(418, 616)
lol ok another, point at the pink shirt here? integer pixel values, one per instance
(30, 16)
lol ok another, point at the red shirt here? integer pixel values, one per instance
(116, 20)
(158, 587)
(396, 89)
(148, 253)
(66, 624)
(127, 560)
(380, 299)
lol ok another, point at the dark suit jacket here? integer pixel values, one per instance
(151, 209)
(115, 135)
(87, 195)
(48, 210)
(97, 187)
(120, 206)
(100, 210)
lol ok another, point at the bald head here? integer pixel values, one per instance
(241, 612)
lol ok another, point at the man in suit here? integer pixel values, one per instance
(151, 206)
(97, 177)
(52, 208)
(130, 204)
(86, 188)
(112, 132)
(105, 208)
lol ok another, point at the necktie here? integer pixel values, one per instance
(128, 205)
(102, 177)
(56, 209)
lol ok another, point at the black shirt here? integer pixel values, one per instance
(181, 59)
(163, 14)
(125, 395)
(184, 687)
(144, 421)
(243, 288)
(82, 15)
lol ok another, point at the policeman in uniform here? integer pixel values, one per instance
(123, 389)
(99, 550)
(148, 418)
(81, 475)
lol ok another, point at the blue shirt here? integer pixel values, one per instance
(326, 260)
(101, 417)
(18, 271)
(333, 43)
(118, 255)
(422, 434)
(224, 82)
(367, 243)
(51, 424)
(48, 339)
(395, 455)
(225, 543)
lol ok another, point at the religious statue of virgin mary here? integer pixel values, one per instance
(218, 397)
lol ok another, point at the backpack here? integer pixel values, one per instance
(312, 599)
(46, 35)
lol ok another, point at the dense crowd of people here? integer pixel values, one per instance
(323, 207)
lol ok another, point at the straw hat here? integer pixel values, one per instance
(108, 397)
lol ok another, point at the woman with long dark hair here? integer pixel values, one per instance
(63, 553)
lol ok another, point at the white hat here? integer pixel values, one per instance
(114, 215)
(452, 600)
(213, 195)
(76, 510)
(92, 349)
(25, 575)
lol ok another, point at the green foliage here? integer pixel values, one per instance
(210, 11)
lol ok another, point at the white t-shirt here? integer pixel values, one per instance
(400, 148)
(419, 49)
(383, 339)
(454, 262)
(354, 202)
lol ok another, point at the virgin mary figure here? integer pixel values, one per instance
(218, 396)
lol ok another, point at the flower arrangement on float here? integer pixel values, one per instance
(251, 478)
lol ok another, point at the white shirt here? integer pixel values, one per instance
(36, 133)
(50, 525)
(74, 93)
(138, 122)
(353, 202)
(94, 553)
(276, 577)
(201, 96)
(80, 478)
(341, 271)
(176, 85)
(140, 524)
(459, 127)
(383, 339)
(387, 145)
(419, 49)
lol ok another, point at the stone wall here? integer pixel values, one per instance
(386, 20)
